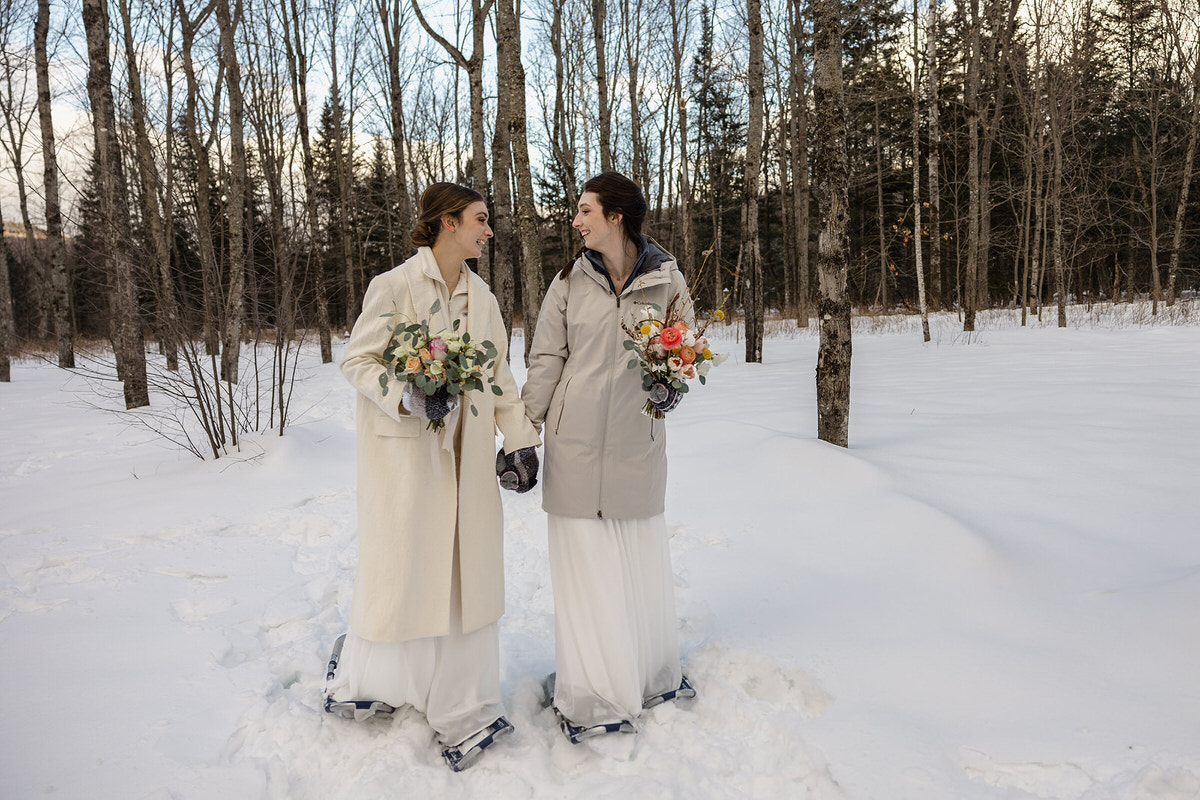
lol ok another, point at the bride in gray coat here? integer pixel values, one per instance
(605, 472)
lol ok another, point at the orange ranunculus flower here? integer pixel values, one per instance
(413, 364)
(687, 354)
(670, 337)
(680, 326)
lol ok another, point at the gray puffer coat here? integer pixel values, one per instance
(604, 457)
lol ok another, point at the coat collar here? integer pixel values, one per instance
(654, 265)
(423, 280)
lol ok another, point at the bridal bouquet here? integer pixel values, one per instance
(444, 363)
(669, 352)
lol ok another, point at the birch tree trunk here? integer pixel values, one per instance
(8, 339)
(502, 210)
(832, 179)
(60, 293)
(970, 280)
(509, 29)
(598, 17)
(294, 39)
(17, 115)
(1188, 167)
(916, 174)
(751, 254)
(128, 344)
(168, 322)
(474, 69)
(209, 267)
(935, 146)
(799, 132)
(235, 196)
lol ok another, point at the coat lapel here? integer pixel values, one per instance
(423, 291)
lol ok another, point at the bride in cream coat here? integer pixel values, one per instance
(429, 587)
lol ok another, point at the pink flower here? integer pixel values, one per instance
(438, 348)
(700, 344)
(675, 363)
(670, 337)
(689, 372)
(660, 352)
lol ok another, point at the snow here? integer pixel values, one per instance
(993, 593)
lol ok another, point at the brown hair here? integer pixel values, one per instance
(437, 201)
(617, 195)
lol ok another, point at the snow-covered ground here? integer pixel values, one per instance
(994, 593)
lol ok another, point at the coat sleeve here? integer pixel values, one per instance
(511, 420)
(548, 353)
(362, 363)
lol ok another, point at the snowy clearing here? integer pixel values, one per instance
(994, 593)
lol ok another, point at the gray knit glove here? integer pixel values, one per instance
(517, 470)
(429, 406)
(664, 396)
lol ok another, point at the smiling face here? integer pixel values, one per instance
(600, 231)
(468, 234)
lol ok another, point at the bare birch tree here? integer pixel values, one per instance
(831, 175)
(473, 66)
(60, 294)
(8, 339)
(168, 327)
(916, 171)
(751, 252)
(295, 27)
(509, 63)
(128, 343)
(599, 14)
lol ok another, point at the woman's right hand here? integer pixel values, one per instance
(428, 406)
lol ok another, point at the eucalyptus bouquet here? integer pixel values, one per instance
(443, 363)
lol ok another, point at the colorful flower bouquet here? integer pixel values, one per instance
(669, 352)
(435, 363)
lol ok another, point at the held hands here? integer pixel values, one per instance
(428, 406)
(517, 470)
(665, 397)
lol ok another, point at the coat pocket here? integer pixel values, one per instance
(408, 428)
(562, 404)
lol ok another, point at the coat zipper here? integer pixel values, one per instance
(604, 431)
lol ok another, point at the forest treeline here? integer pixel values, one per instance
(253, 163)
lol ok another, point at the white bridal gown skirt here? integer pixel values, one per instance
(615, 637)
(454, 680)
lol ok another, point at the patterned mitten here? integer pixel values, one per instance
(517, 470)
(430, 406)
(665, 397)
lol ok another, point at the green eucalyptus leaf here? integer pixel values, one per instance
(474, 411)
(496, 390)
(435, 308)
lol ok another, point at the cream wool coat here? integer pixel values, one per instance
(408, 516)
(604, 458)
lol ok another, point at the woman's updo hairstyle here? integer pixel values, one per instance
(617, 195)
(437, 201)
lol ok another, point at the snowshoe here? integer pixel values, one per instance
(684, 692)
(348, 709)
(577, 733)
(462, 755)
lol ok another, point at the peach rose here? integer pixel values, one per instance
(670, 337)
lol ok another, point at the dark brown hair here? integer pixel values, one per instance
(437, 201)
(617, 195)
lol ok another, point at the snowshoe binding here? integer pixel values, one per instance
(462, 755)
(348, 709)
(577, 733)
(684, 692)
